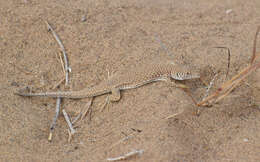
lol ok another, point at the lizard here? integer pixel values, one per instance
(130, 79)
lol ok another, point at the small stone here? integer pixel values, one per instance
(229, 11)
(83, 18)
(245, 139)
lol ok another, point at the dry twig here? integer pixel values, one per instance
(209, 87)
(57, 112)
(173, 115)
(67, 68)
(254, 46)
(229, 55)
(72, 130)
(120, 141)
(231, 84)
(83, 113)
(62, 64)
(128, 155)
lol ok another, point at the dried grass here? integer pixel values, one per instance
(227, 87)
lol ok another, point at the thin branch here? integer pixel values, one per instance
(120, 141)
(254, 46)
(210, 86)
(228, 59)
(128, 155)
(67, 68)
(62, 64)
(58, 83)
(72, 130)
(173, 115)
(187, 91)
(57, 112)
(83, 113)
(236, 82)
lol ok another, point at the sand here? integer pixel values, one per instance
(102, 36)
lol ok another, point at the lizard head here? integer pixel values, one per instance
(185, 74)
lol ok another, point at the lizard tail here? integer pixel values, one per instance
(90, 92)
(61, 94)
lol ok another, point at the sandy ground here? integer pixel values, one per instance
(102, 36)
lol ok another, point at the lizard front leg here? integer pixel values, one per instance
(174, 84)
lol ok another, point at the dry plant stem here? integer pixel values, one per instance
(247, 70)
(57, 112)
(70, 135)
(173, 115)
(227, 87)
(67, 68)
(72, 130)
(120, 141)
(189, 94)
(56, 85)
(228, 59)
(254, 46)
(128, 155)
(58, 103)
(209, 87)
(83, 113)
(62, 64)
(236, 83)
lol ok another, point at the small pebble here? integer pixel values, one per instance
(83, 18)
(229, 11)
(245, 139)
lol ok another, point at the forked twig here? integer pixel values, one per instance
(67, 68)
(72, 130)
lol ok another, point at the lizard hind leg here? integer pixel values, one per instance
(113, 97)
